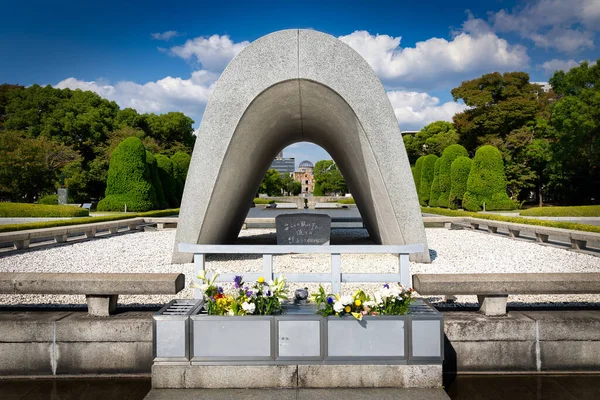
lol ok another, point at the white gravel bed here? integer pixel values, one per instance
(455, 251)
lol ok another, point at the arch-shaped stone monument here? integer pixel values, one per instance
(292, 86)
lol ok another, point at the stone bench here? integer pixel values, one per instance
(100, 289)
(22, 239)
(492, 290)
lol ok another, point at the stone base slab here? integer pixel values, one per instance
(295, 376)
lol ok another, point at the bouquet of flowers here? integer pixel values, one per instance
(258, 298)
(387, 301)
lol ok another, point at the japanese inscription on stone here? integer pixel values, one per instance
(303, 228)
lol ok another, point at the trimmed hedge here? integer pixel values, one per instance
(427, 172)
(26, 210)
(487, 182)
(450, 154)
(129, 181)
(417, 174)
(181, 164)
(49, 199)
(165, 173)
(434, 193)
(87, 220)
(349, 200)
(158, 189)
(575, 211)
(260, 200)
(516, 220)
(459, 174)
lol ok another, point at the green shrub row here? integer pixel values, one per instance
(576, 211)
(49, 199)
(25, 210)
(427, 172)
(459, 175)
(450, 154)
(516, 220)
(349, 200)
(434, 193)
(87, 220)
(260, 200)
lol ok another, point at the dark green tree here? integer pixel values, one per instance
(487, 182)
(432, 139)
(427, 175)
(459, 175)
(181, 164)
(417, 174)
(129, 181)
(167, 179)
(156, 183)
(450, 154)
(328, 178)
(271, 184)
(434, 193)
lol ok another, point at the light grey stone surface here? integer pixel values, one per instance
(103, 357)
(101, 306)
(379, 376)
(492, 305)
(495, 356)
(28, 327)
(63, 196)
(471, 326)
(303, 228)
(291, 86)
(297, 394)
(570, 355)
(123, 327)
(566, 325)
(26, 358)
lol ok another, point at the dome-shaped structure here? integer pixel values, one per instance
(306, 164)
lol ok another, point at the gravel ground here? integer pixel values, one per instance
(454, 251)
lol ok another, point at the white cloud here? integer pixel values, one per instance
(568, 26)
(213, 53)
(555, 64)
(168, 94)
(168, 35)
(436, 63)
(414, 110)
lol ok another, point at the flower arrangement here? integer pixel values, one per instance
(393, 300)
(258, 298)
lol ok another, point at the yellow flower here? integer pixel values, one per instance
(347, 309)
(357, 302)
(260, 280)
(358, 316)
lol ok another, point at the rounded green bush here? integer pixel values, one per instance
(51, 199)
(487, 182)
(165, 173)
(129, 181)
(427, 175)
(17, 210)
(181, 164)
(158, 189)
(459, 175)
(434, 194)
(417, 174)
(450, 154)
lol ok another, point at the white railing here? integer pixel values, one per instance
(335, 277)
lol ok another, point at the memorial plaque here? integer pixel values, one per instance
(303, 228)
(63, 196)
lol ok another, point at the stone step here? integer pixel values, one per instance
(298, 394)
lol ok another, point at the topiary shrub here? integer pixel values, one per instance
(427, 172)
(19, 210)
(487, 182)
(434, 194)
(165, 173)
(459, 174)
(417, 174)
(129, 181)
(450, 154)
(49, 199)
(156, 183)
(181, 164)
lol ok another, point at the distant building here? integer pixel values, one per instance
(284, 165)
(306, 177)
(412, 133)
(545, 86)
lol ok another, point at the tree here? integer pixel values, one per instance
(434, 194)
(432, 139)
(427, 175)
(156, 183)
(167, 179)
(271, 184)
(450, 154)
(575, 117)
(498, 104)
(487, 183)
(328, 178)
(459, 175)
(290, 186)
(129, 181)
(417, 174)
(181, 164)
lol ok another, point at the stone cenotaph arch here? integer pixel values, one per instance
(298, 86)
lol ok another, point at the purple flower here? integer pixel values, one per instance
(212, 298)
(386, 286)
(268, 293)
(249, 293)
(329, 300)
(220, 290)
(238, 281)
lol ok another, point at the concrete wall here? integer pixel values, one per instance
(65, 343)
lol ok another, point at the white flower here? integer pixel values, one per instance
(338, 306)
(346, 300)
(385, 293)
(378, 298)
(204, 287)
(248, 307)
(369, 304)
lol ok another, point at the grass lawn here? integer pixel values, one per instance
(575, 211)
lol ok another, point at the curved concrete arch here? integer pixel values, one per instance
(292, 86)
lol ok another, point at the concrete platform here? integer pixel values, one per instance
(297, 394)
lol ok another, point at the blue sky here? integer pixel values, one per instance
(165, 56)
